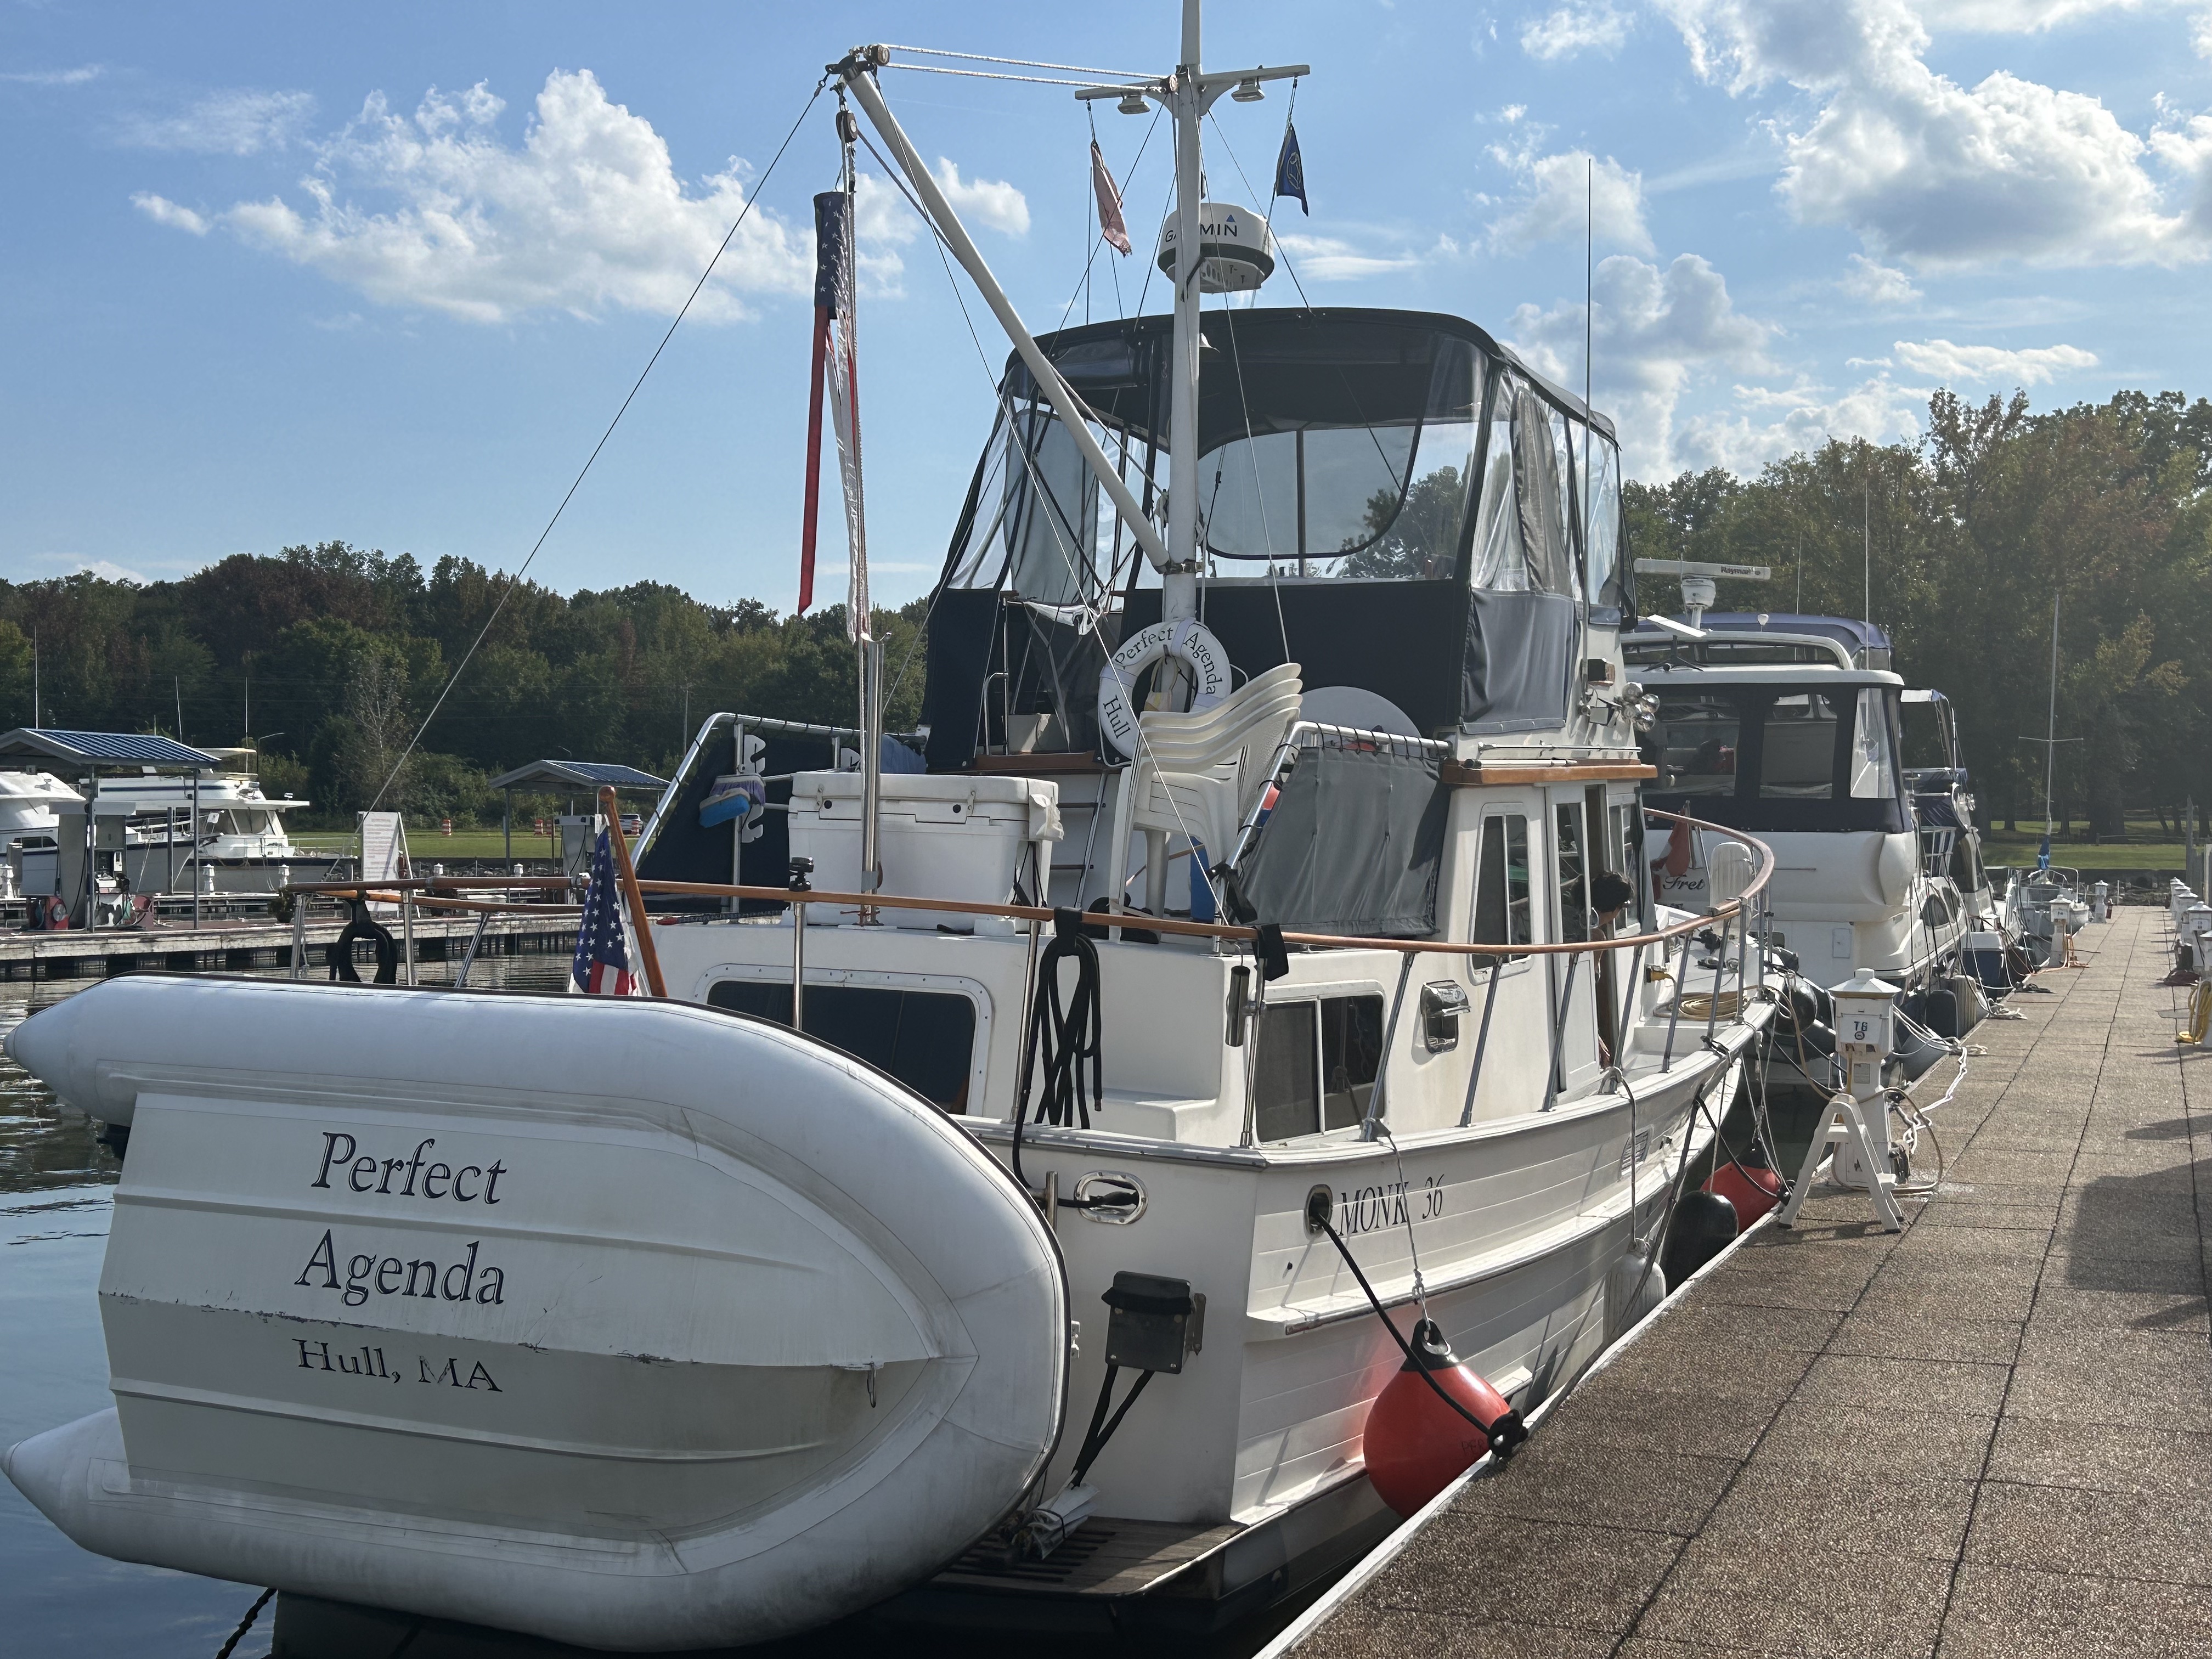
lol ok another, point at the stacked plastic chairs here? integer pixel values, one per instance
(1198, 776)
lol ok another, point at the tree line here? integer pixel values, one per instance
(328, 658)
(1971, 535)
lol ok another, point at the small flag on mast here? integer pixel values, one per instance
(601, 966)
(836, 368)
(1290, 169)
(1112, 228)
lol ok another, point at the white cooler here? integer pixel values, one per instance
(954, 836)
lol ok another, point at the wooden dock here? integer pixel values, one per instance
(238, 944)
(1990, 1435)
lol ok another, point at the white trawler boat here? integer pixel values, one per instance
(240, 844)
(654, 1323)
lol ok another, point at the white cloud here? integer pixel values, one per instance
(67, 78)
(1923, 168)
(1769, 423)
(1331, 259)
(1558, 196)
(1875, 283)
(1941, 359)
(990, 202)
(586, 213)
(2200, 33)
(76, 564)
(228, 124)
(2015, 17)
(163, 211)
(1657, 330)
(1578, 26)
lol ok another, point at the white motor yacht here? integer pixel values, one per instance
(241, 845)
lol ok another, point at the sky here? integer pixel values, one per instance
(273, 274)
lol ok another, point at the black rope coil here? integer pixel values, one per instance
(1066, 1035)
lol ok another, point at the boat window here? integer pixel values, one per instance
(926, 1039)
(1574, 883)
(1356, 501)
(1696, 740)
(1798, 762)
(1285, 1087)
(1601, 575)
(1873, 776)
(1813, 757)
(1501, 898)
(1350, 1056)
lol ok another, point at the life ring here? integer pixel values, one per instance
(1189, 642)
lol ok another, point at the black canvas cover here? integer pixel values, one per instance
(1519, 666)
(682, 850)
(1352, 846)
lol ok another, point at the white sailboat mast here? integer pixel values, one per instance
(1187, 101)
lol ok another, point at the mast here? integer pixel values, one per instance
(1187, 103)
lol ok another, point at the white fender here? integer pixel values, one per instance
(746, 1336)
(1189, 642)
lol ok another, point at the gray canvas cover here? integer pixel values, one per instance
(1520, 661)
(1352, 846)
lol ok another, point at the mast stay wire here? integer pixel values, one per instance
(1017, 63)
(515, 582)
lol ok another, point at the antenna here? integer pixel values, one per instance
(1590, 301)
(1866, 526)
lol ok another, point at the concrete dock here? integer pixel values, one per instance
(1989, 1434)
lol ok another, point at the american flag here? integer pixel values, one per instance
(601, 966)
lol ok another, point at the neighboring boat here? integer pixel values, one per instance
(28, 821)
(241, 845)
(1787, 726)
(779, 1325)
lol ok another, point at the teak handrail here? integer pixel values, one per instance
(1124, 919)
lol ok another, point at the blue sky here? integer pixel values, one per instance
(278, 273)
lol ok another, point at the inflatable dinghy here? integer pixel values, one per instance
(628, 1324)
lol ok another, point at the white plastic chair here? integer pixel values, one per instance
(1197, 775)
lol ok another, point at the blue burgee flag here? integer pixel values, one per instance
(601, 965)
(1290, 169)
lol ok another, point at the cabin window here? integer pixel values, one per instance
(1351, 1057)
(926, 1039)
(1698, 742)
(1286, 1084)
(1315, 1065)
(1574, 878)
(1502, 913)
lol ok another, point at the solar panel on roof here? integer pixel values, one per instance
(106, 748)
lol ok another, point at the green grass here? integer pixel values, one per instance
(2017, 850)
